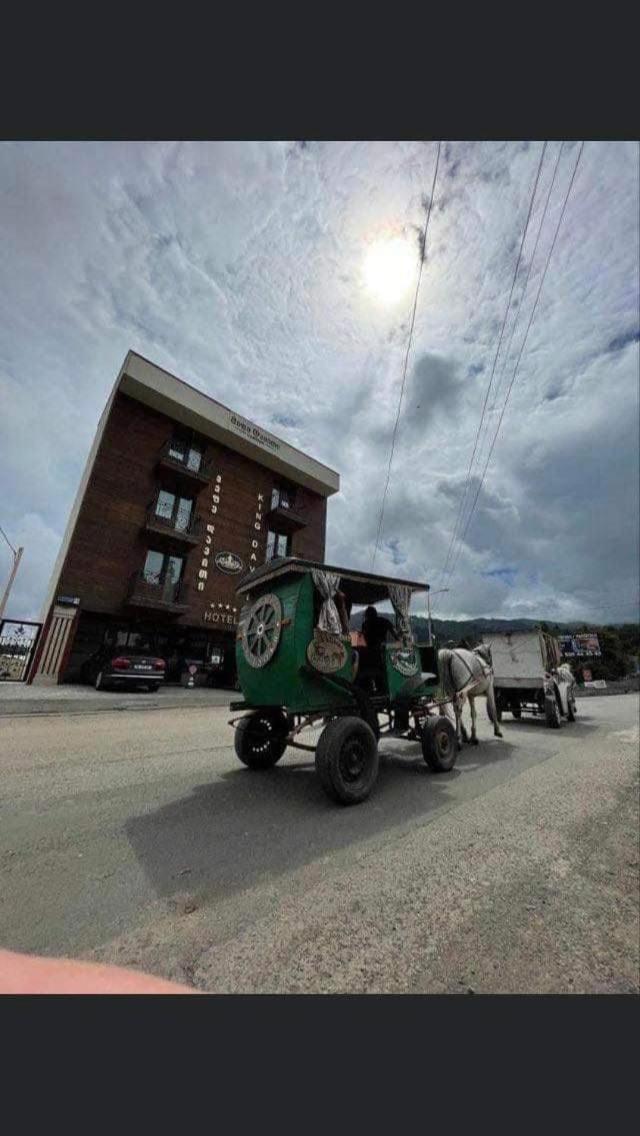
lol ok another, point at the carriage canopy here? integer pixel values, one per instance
(359, 587)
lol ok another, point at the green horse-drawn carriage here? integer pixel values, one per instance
(299, 669)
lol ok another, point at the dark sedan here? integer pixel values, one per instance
(113, 666)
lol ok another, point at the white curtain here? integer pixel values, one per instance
(400, 596)
(327, 584)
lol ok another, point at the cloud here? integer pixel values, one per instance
(238, 266)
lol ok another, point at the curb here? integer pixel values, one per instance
(35, 710)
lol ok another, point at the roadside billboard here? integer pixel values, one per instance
(579, 646)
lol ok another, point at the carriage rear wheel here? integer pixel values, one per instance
(347, 760)
(439, 744)
(261, 738)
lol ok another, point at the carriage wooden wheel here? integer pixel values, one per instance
(261, 631)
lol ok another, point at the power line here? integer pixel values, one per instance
(486, 397)
(8, 541)
(516, 320)
(505, 357)
(406, 359)
(522, 346)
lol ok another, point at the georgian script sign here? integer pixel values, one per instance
(228, 562)
(405, 662)
(253, 433)
(326, 652)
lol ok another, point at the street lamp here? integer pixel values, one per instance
(17, 556)
(429, 594)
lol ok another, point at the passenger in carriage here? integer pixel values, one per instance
(377, 631)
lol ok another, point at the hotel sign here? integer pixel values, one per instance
(221, 613)
(253, 433)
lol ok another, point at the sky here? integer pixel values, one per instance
(279, 277)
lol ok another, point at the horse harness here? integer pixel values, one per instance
(486, 671)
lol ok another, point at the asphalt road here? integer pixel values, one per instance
(138, 838)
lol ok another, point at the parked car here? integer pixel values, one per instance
(129, 664)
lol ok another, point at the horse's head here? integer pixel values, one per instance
(483, 650)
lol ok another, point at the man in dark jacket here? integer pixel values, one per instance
(376, 630)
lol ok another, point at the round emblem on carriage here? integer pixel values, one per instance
(260, 629)
(228, 562)
(405, 662)
(326, 652)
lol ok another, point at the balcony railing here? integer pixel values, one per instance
(285, 519)
(149, 590)
(188, 463)
(189, 533)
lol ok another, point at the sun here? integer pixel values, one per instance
(389, 269)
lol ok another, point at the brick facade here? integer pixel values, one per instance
(110, 540)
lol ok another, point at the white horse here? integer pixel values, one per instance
(468, 675)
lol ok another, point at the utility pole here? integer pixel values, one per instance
(438, 593)
(17, 556)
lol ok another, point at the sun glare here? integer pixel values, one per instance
(389, 269)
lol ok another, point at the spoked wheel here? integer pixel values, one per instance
(439, 744)
(261, 631)
(347, 760)
(261, 738)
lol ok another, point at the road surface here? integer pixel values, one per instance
(138, 838)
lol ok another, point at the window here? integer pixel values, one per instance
(185, 448)
(175, 509)
(153, 567)
(183, 514)
(282, 497)
(164, 504)
(277, 545)
(162, 569)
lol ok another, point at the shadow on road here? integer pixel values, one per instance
(530, 725)
(227, 835)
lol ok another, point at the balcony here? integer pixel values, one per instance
(191, 533)
(282, 518)
(151, 592)
(187, 464)
(287, 512)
